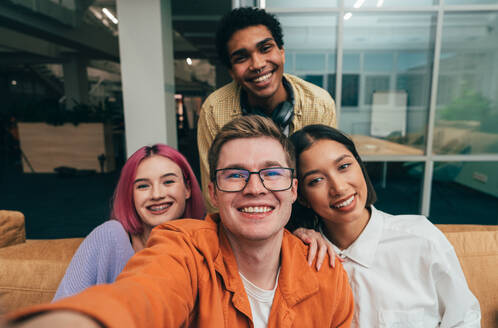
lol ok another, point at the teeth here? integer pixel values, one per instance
(259, 209)
(345, 203)
(158, 207)
(262, 78)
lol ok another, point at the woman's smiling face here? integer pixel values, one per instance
(331, 182)
(159, 191)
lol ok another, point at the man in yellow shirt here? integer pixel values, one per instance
(250, 43)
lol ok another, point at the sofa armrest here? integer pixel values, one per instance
(31, 272)
(12, 229)
(477, 250)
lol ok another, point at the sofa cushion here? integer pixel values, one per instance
(12, 230)
(30, 272)
(477, 250)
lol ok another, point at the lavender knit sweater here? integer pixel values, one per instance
(99, 259)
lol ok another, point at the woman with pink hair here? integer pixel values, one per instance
(156, 185)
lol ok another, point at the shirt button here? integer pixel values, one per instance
(342, 256)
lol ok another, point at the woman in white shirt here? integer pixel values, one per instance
(402, 269)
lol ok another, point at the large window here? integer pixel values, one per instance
(310, 46)
(467, 104)
(465, 192)
(416, 85)
(394, 60)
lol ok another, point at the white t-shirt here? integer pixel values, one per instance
(260, 301)
(405, 273)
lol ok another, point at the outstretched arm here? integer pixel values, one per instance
(60, 319)
(158, 288)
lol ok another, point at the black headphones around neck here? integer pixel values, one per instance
(282, 114)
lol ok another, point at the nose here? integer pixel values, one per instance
(157, 191)
(338, 186)
(258, 62)
(254, 185)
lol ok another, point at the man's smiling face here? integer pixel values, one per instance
(257, 64)
(255, 213)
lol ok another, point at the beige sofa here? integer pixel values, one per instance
(31, 270)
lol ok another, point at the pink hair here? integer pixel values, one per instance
(123, 208)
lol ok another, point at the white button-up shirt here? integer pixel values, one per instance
(405, 273)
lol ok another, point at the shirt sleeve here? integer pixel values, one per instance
(99, 259)
(329, 117)
(458, 307)
(157, 288)
(206, 131)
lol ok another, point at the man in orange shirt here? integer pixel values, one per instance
(238, 268)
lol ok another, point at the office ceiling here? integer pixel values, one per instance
(194, 23)
(45, 31)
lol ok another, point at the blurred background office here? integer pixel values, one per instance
(84, 83)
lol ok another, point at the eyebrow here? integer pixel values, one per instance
(242, 51)
(337, 160)
(243, 166)
(162, 176)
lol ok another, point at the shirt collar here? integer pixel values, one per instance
(296, 280)
(362, 251)
(298, 100)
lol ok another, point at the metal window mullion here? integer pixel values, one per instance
(407, 9)
(412, 10)
(434, 158)
(468, 8)
(311, 10)
(338, 66)
(425, 200)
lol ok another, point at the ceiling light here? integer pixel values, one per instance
(110, 15)
(380, 3)
(13, 82)
(348, 16)
(262, 4)
(189, 61)
(358, 3)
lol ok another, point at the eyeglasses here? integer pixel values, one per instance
(273, 179)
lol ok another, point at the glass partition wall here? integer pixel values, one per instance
(416, 86)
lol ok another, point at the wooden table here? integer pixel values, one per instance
(366, 145)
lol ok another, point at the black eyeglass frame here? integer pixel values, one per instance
(249, 177)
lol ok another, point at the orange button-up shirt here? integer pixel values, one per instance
(188, 276)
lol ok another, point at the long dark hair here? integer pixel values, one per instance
(304, 139)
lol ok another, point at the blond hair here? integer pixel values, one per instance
(249, 126)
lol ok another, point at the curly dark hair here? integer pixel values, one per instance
(239, 19)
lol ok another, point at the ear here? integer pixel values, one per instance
(212, 194)
(294, 189)
(188, 191)
(232, 75)
(282, 53)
